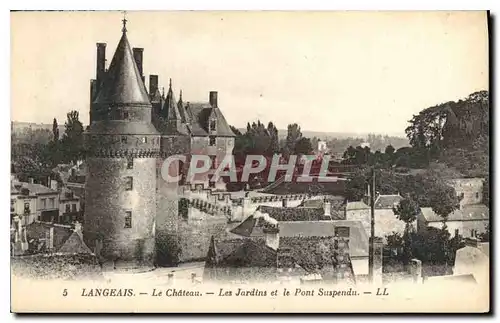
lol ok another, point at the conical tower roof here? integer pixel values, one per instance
(123, 84)
(170, 108)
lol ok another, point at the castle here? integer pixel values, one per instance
(131, 215)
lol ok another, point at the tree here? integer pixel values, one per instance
(55, 130)
(274, 145)
(303, 146)
(292, 137)
(407, 211)
(72, 141)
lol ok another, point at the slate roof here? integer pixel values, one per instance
(301, 213)
(199, 114)
(66, 240)
(467, 213)
(34, 189)
(356, 205)
(252, 228)
(122, 84)
(387, 201)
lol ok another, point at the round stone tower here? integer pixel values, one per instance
(123, 144)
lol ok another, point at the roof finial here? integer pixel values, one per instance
(170, 83)
(124, 28)
(180, 95)
(163, 91)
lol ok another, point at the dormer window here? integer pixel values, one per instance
(212, 140)
(213, 125)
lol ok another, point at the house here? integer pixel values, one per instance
(22, 203)
(469, 189)
(69, 206)
(33, 201)
(303, 240)
(43, 237)
(469, 221)
(386, 222)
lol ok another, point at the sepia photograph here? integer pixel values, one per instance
(250, 161)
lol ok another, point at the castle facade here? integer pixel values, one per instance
(131, 217)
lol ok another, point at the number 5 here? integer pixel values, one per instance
(65, 292)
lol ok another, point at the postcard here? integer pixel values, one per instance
(250, 161)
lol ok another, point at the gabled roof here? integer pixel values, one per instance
(199, 114)
(356, 205)
(122, 84)
(301, 213)
(358, 244)
(387, 201)
(74, 245)
(65, 239)
(34, 189)
(475, 212)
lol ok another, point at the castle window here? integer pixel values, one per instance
(128, 219)
(68, 208)
(212, 140)
(145, 140)
(213, 125)
(342, 232)
(477, 195)
(124, 139)
(129, 183)
(130, 163)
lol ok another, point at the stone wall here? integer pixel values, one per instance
(195, 234)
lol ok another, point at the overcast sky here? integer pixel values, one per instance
(328, 71)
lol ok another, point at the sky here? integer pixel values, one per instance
(357, 72)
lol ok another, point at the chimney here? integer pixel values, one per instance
(213, 99)
(138, 59)
(153, 84)
(272, 236)
(101, 63)
(54, 185)
(78, 227)
(50, 243)
(327, 207)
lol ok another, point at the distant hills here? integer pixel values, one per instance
(19, 127)
(323, 135)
